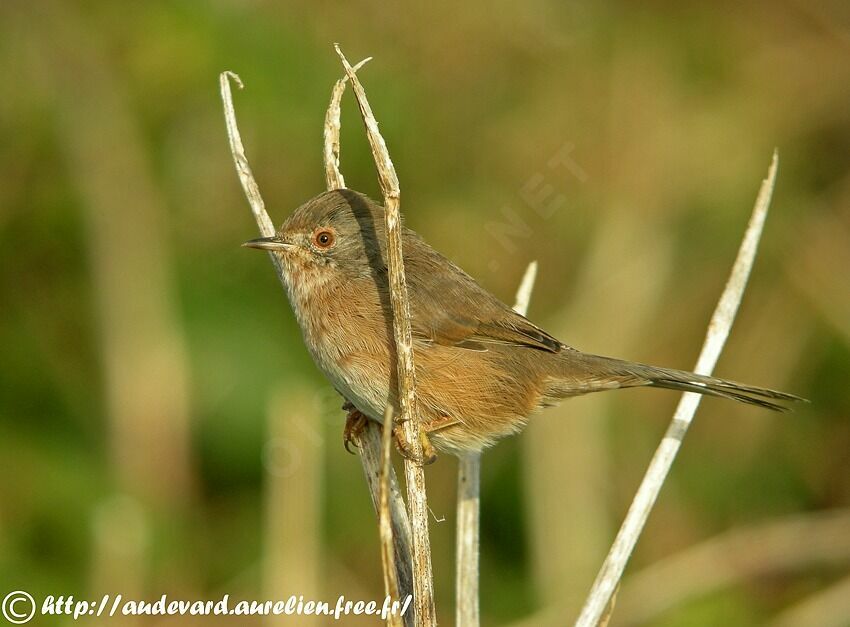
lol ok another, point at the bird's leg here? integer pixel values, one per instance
(355, 423)
(429, 454)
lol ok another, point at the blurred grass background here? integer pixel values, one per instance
(162, 428)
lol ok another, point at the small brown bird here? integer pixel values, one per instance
(481, 368)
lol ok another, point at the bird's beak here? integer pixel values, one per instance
(268, 243)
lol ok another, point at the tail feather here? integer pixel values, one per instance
(618, 373)
(725, 391)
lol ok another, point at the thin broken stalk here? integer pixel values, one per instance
(718, 330)
(380, 477)
(385, 518)
(333, 176)
(467, 610)
(246, 177)
(369, 444)
(467, 607)
(423, 586)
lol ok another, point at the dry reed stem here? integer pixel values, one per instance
(385, 518)
(467, 610)
(467, 606)
(370, 444)
(333, 176)
(612, 569)
(523, 293)
(389, 504)
(423, 585)
(243, 169)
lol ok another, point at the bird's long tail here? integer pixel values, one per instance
(583, 373)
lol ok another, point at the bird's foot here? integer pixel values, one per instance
(355, 423)
(405, 448)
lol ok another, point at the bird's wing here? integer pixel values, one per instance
(448, 307)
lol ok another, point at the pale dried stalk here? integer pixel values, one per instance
(246, 177)
(380, 474)
(467, 607)
(371, 456)
(333, 176)
(385, 518)
(523, 293)
(718, 330)
(423, 585)
(467, 611)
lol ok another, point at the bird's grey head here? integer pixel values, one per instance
(336, 231)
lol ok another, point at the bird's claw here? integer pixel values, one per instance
(429, 455)
(355, 423)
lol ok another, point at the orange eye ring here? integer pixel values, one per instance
(324, 238)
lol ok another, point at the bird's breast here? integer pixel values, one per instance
(345, 331)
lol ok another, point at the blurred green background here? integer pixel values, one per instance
(162, 428)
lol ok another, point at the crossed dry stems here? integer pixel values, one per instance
(406, 555)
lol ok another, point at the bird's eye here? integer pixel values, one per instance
(324, 238)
